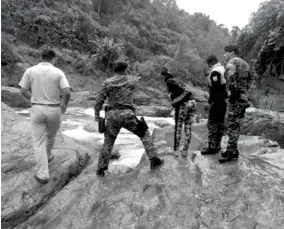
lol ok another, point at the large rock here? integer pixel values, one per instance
(153, 111)
(21, 195)
(11, 96)
(269, 124)
(181, 194)
(269, 94)
(141, 98)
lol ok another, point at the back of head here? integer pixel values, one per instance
(211, 60)
(120, 67)
(164, 71)
(231, 48)
(48, 55)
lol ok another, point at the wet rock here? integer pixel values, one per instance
(269, 124)
(11, 96)
(181, 194)
(153, 111)
(21, 195)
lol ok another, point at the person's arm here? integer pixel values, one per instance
(25, 92)
(25, 85)
(100, 101)
(66, 93)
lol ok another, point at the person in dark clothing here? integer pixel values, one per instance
(218, 105)
(184, 108)
(119, 90)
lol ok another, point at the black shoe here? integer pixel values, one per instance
(228, 153)
(42, 181)
(209, 151)
(229, 156)
(101, 172)
(156, 163)
(115, 156)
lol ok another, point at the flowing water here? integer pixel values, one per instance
(78, 123)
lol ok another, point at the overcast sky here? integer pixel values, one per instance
(227, 12)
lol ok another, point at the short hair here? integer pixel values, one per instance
(231, 48)
(48, 54)
(120, 66)
(164, 70)
(212, 59)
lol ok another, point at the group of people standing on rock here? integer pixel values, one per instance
(225, 83)
(46, 81)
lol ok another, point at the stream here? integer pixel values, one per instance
(78, 123)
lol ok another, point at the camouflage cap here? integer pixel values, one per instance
(231, 48)
(120, 66)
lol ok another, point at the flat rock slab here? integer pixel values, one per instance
(21, 194)
(181, 194)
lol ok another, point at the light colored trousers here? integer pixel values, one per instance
(45, 122)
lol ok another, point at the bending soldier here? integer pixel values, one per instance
(239, 79)
(184, 109)
(120, 113)
(218, 105)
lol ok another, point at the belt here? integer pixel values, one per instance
(119, 107)
(47, 105)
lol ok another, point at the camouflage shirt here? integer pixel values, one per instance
(118, 90)
(239, 75)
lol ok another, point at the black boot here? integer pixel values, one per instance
(209, 151)
(101, 172)
(229, 156)
(156, 162)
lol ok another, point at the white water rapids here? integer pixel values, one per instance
(78, 123)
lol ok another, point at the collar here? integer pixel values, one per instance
(216, 65)
(45, 63)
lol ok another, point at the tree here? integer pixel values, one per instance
(107, 52)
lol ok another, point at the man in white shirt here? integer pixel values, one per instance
(46, 82)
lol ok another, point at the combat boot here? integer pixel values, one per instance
(156, 163)
(230, 153)
(229, 156)
(209, 151)
(101, 172)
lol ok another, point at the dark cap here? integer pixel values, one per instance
(212, 59)
(231, 48)
(164, 71)
(120, 66)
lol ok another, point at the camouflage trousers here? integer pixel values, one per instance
(236, 113)
(216, 124)
(116, 119)
(186, 115)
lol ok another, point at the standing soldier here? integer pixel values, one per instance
(184, 109)
(120, 113)
(218, 105)
(239, 80)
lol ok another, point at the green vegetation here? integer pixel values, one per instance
(263, 39)
(90, 35)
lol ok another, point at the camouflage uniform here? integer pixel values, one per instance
(239, 80)
(185, 117)
(119, 91)
(218, 106)
(184, 110)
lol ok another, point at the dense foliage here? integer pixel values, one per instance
(149, 34)
(263, 39)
